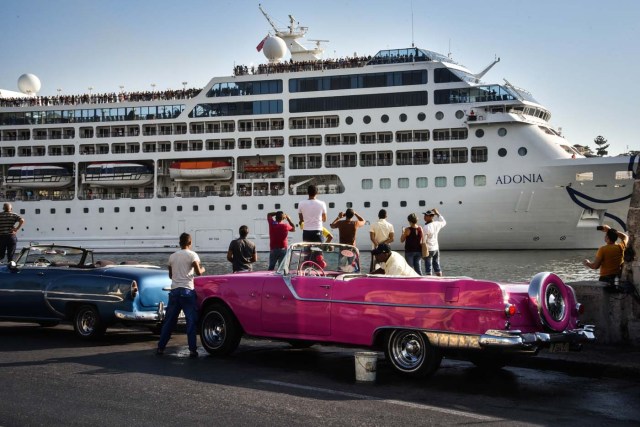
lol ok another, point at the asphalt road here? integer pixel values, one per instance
(49, 377)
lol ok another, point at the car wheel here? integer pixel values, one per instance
(411, 353)
(87, 322)
(219, 330)
(550, 298)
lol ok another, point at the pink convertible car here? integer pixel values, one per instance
(319, 295)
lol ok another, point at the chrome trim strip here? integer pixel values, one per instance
(287, 281)
(518, 340)
(142, 316)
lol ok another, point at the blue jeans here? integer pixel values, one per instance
(8, 245)
(433, 258)
(275, 256)
(180, 299)
(413, 259)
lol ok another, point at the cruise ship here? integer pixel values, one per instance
(404, 130)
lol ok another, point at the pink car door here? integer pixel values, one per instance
(297, 305)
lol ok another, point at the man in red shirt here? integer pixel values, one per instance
(278, 233)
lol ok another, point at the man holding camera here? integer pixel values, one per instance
(609, 257)
(347, 226)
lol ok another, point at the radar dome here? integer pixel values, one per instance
(274, 49)
(29, 84)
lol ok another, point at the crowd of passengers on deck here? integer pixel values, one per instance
(291, 66)
(100, 98)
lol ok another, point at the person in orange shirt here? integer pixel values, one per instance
(609, 257)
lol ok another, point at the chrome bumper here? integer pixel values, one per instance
(532, 341)
(141, 316)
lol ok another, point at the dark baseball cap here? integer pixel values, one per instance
(429, 212)
(382, 248)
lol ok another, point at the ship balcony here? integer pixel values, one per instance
(492, 117)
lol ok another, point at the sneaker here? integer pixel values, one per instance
(193, 354)
(159, 351)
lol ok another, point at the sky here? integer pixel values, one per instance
(579, 58)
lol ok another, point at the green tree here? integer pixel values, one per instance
(602, 145)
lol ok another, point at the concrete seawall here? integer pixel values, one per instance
(611, 313)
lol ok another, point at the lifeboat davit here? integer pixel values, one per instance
(261, 168)
(39, 176)
(190, 170)
(114, 174)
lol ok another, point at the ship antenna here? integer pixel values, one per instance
(412, 38)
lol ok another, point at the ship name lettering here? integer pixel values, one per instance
(519, 179)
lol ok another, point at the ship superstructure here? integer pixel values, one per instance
(404, 130)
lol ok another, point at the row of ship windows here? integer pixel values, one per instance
(367, 184)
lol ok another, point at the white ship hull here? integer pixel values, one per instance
(502, 177)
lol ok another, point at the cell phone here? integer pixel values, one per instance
(599, 228)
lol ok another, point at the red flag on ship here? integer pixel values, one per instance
(261, 44)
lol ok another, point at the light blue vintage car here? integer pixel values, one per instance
(48, 284)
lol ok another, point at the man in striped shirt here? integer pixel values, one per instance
(8, 230)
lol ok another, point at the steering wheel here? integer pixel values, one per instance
(310, 268)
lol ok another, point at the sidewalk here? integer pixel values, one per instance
(594, 360)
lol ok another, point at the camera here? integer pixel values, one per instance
(600, 228)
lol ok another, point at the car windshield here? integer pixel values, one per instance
(50, 255)
(329, 257)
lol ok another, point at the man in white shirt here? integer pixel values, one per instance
(392, 263)
(183, 266)
(312, 214)
(434, 222)
(380, 232)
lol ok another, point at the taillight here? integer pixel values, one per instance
(579, 308)
(134, 289)
(510, 310)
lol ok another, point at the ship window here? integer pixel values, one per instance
(502, 152)
(385, 183)
(211, 207)
(277, 206)
(260, 206)
(421, 135)
(460, 133)
(403, 182)
(86, 210)
(422, 182)
(422, 117)
(366, 120)
(163, 208)
(195, 208)
(479, 133)
(422, 203)
(52, 211)
(480, 180)
(132, 209)
(179, 208)
(441, 134)
(332, 205)
(403, 204)
(147, 208)
(459, 114)
(385, 204)
(37, 211)
(478, 154)
(444, 75)
(522, 151)
(227, 207)
(349, 120)
(101, 210)
(584, 176)
(22, 211)
(116, 209)
(623, 175)
(367, 184)
(441, 156)
(459, 181)
(459, 155)
(439, 115)
(384, 118)
(403, 117)
(502, 132)
(441, 181)
(367, 204)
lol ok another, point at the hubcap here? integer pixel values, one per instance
(407, 350)
(86, 322)
(555, 303)
(213, 330)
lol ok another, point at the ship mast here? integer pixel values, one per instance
(291, 35)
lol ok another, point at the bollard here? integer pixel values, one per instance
(366, 366)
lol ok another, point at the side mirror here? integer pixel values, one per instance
(13, 266)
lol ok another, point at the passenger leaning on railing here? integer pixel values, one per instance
(609, 257)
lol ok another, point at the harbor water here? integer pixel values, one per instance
(502, 266)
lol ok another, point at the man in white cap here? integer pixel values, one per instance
(434, 222)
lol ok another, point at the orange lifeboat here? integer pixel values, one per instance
(189, 170)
